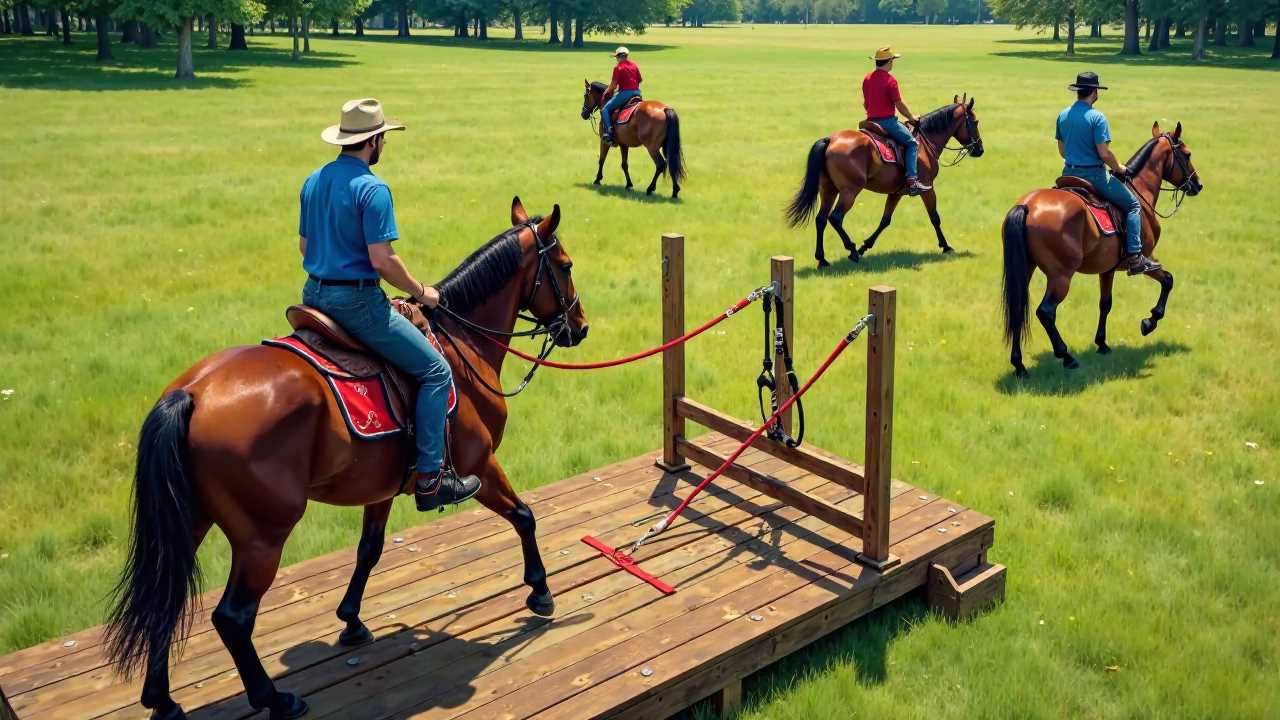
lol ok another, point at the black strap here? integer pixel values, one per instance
(766, 380)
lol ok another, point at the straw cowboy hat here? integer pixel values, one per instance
(361, 119)
(622, 50)
(885, 53)
(1087, 81)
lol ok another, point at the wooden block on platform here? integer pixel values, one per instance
(971, 593)
(6, 710)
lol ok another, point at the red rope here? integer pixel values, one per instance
(630, 358)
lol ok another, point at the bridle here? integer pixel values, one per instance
(962, 152)
(591, 114)
(550, 330)
(1178, 191)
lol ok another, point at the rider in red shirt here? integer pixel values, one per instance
(881, 98)
(624, 86)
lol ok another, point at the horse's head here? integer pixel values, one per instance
(1177, 169)
(592, 97)
(966, 132)
(547, 278)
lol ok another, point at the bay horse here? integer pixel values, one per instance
(246, 437)
(1051, 230)
(654, 125)
(843, 164)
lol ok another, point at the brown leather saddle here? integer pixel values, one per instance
(622, 115)
(889, 149)
(1106, 216)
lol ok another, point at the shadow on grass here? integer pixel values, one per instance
(635, 194)
(1106, 51)
(46, 63)
(536, 44)
(877, 261)
(1048, 377)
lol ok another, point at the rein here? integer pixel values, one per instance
(1179, 192)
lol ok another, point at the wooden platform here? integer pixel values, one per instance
(756, 580)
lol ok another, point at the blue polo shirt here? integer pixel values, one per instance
(344, 209)
(1081, 129)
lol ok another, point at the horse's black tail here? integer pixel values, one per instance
(801, 207)
(671, 147)
(161, 572)
(1017, 269)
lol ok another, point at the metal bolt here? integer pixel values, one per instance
(397, 540)
(756, 617)
(647, 672)
(69, 644)
(564, 552)
(353, 661)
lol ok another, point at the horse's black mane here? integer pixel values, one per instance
(483, 272)
(1140, 158)
(599, 86)
(938, 120)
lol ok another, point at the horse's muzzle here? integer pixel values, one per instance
(570, 336)
(978, 151)
(586, 114)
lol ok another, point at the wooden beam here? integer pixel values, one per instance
(879, 443)
(845, 474)
(774, 488)
(782, 272)
(728, 700)
(673, 359)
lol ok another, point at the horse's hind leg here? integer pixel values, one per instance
(254, 561)
(659, 167)
(367, 554)
(1104, 308)
(828, 195)
(626, 169)
(1047, 312)
(890, 204)
(497, 494)
(843, 205)
(155, 687)
(1165, 278)
(930, 199)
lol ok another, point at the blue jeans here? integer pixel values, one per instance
(620, 97)
(1117, 192)
(366, 314)
(904, 137)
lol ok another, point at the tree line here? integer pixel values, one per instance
(1220, 22)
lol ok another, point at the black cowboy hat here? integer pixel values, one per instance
(1086, 81)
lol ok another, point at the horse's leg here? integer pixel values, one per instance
(1165, 278)
(626, 169)
(1015, 354)
(836, 218)
(254, 562)
(497, 494)
(930, 199)
(367, 554)
(659, 167)
(1104, 308)
(828, 194)
(890, 204)
(604, 153)
(155, 687)
(1054, 294)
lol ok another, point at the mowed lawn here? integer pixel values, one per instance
(146, 223)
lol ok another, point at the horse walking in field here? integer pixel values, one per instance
(249, 435)
(845, 163)
(650, 124)
(1052, 229)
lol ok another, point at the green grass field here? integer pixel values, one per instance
(146, 223)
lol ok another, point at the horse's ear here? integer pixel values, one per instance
(955, 99)
(549, 223)
(586, 83)
(971, 101)
(1177, 132)
(518, 215)
(1155, 129)
(964, 97)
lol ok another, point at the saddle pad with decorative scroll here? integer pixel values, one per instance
(888, 151)
(1105, 216)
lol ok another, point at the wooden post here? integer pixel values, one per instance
(782, 272)
(673, 359)
(727, 701)
(879, 444)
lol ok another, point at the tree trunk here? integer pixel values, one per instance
(1220, 33)
(5, 26)
(359, 26)
(186, 66)
(1197, 47)
(212, 25)
(1131, 46)
(402, 22)
(483, 22)
(1071, 32)
(555, 27)
(146, 35)
(306, 34)
(273, 26)
(566, 37)
(1181, 29)
(293, 33)
(1165, 29)
(333, 28)
(1057, 31)
(1095, 29)
(103, 24)
(1275, 47)
(515, 18)
(237, 38)
(129, 31)
(66, 25)
(24, 20)
(1246, 33)
(1153, 38)
(577, 32)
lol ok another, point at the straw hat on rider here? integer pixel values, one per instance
(885, 53)
(361, 120)
(1087, 81)
(622, 50)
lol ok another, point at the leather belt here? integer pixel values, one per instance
(351, 283)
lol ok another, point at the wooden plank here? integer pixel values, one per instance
(672, 359)
(773, 488)
(959, 598)
(879, 428)
(6, 710)
(837, 471)
(782, 272)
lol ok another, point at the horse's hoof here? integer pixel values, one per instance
(1070, 363)
(854, 256)
(173, 713)
(541, 604)
(287, 707)
(1021, 373)
(1104, 349)
(822, 262)
(352, 637)
(596, 181)
(1148, 326)
(947, 249)
(649, 191)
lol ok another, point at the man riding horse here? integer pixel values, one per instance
(882, 100)
(345, 230)
(1084, 142)
(624, 85)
